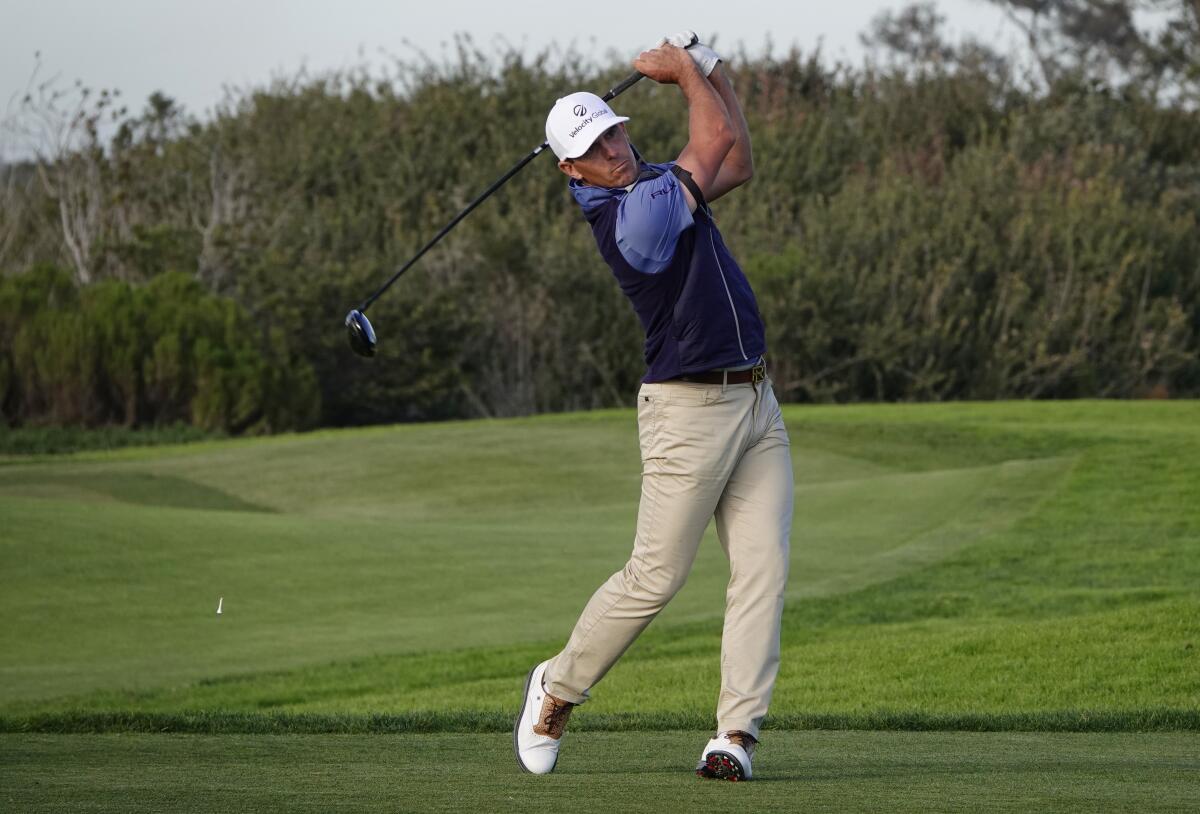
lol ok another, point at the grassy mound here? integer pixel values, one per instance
(972, 566)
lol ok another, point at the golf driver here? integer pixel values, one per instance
(358, 327)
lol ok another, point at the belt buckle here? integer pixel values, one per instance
(758, 374)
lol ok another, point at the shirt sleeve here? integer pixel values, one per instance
(650, 219)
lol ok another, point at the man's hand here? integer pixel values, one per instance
(705, 58)
(666, 64)
(710, 132)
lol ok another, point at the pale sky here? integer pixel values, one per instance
(192, 50)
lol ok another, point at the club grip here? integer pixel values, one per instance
(631, 80)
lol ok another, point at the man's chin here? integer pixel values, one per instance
(626, 175)
(622, 176)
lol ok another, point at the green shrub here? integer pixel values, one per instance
(160, 354)
(932, 235)
(999, 280)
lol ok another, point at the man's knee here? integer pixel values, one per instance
(657, 583)
(763, 575)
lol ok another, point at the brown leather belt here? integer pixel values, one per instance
(752, 375)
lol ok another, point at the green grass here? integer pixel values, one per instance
(1031, 559)
(1022, 578)
(22, 441)
(316, 723)
(600, 772)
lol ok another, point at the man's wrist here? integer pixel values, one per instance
(691, 74)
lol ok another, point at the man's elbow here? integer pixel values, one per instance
(724, 140)
(741, 170)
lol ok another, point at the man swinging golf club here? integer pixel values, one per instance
(712, 437)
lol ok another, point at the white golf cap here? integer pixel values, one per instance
(576, 121)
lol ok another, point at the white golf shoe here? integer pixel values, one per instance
(727, 756)
(539, 727)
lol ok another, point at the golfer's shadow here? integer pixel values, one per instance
(675, 771)
(675, 768)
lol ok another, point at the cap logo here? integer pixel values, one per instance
(580, 110)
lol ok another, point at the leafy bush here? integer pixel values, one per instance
(999, 280)
(926, 234)
(159, 354)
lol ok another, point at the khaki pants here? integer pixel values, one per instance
(706, 450)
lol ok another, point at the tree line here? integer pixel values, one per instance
(931, 226)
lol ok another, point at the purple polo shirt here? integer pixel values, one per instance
(695, 304)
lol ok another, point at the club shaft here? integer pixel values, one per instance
(613, 92)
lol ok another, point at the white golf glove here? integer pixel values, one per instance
(705, 58)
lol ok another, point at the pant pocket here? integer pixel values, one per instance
(649, 421)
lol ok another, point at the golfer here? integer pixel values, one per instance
(712, 437)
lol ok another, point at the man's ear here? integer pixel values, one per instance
(568, 167)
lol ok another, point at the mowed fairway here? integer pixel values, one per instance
(989, 567)
(802, 771)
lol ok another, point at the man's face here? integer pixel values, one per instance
(609, 162)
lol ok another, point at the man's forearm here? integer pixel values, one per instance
(738, 166)
(711, 133)
(741, 154)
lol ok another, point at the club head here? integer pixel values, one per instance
(362, 335)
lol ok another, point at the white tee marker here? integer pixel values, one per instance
(220, 602)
